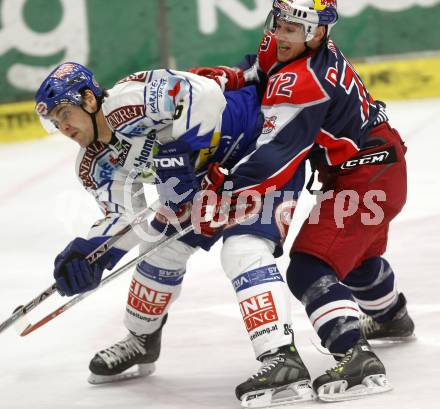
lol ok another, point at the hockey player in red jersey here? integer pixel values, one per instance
(316, 106)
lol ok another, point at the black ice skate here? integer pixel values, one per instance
(110, 364)
(358, 373)
(282, 379)
(399, 329)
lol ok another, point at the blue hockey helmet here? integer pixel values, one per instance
(309, 13)
(64, 85)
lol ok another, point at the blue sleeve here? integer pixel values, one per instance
(248, 61)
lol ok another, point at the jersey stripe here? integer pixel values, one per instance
(338, 150)
(281, 177)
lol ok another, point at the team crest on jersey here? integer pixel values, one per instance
(269, 124)
(123, 148)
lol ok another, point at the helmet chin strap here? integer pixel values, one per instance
(95, 125)
(93, 118)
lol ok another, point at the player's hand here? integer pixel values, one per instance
(211, 209)
(229, 79)
(216, 207)
(176, 180)
(73, 273)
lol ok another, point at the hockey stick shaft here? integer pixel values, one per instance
(141, 217)
(158, 245)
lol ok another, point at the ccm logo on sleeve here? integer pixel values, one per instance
(376, 158)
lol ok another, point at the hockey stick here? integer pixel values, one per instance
(159, 245)
(22, 310)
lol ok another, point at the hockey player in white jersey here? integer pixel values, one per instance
(175, 127)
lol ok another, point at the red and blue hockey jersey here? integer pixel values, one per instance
(315, 106)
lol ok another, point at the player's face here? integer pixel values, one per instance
(73, 122)
(290, 40)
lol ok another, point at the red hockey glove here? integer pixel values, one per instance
(215, 208)
(210, 212)
(229, 79)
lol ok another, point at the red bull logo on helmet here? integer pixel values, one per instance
(323, 4)
(318, 4)
(63, 70)
(283, 4)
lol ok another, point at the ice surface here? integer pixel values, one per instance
(206, 351)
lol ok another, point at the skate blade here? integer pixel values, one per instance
(390, 341)
(286, 395)
(141, 371)
(338, 392)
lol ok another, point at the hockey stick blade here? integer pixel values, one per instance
(20, 311)
(158, 245)
(31, 328)
(22, 323)
(140, 217)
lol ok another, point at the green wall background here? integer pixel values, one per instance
(127, 36)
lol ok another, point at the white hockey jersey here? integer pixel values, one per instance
(157, 107)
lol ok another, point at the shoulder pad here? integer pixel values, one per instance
(267, 53)
(140, 76)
